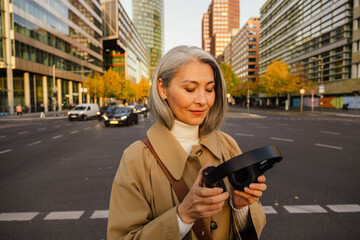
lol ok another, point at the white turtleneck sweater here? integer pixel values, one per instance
(187, 136)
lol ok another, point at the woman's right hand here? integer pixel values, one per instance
(201, 202)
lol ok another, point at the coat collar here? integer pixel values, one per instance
(172, 153)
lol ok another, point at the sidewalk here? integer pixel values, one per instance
(35, 116)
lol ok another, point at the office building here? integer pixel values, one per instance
(355, 57)
(38, 35)
(148, 18)
(242, 53)
(222, 16)
(124, 49)
(315, 38)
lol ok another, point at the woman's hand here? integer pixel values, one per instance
(250, 194)
(201, 202)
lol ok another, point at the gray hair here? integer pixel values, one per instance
(170, 64)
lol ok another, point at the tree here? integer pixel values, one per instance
(111, 85)
(278, 80)
(242, 89)
(93, 85)
(232, 81)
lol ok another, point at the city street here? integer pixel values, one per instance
(56, 175)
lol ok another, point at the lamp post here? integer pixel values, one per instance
(302, 91)
(321, 87)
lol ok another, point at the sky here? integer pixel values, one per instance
(183, 19)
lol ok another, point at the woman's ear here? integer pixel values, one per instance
(161, 89)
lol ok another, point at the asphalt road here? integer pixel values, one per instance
(56, 175)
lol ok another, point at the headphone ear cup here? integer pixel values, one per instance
(242, 178)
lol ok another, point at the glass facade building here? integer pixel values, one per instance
(222, 16)
(242, 53)
(356, 41)
(314, 37)
(124, 49)
(148, 18)
(66, 34)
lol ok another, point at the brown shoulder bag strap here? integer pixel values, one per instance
(181, 189)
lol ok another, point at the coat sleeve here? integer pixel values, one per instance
(130, 213)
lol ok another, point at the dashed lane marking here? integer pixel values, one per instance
(265, 127)
(244, 134)
(100, 214)
(64, 215)
(58, 136)
(331, 133)
(5, 151)
(305, 209)
(295, 129)
(282, 139)
(282, 124)
(3, 136)
(34, 143)
(57, 126)
(42, 129)
(346, 208)
(73, 132)
(87, 128)
(269, 210)
(24, 132)
(21, 216)
(328, 146)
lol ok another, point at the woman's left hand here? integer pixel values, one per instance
(250, 194)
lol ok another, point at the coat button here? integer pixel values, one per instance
(213, 225)
(199, 152)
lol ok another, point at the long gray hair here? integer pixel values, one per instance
(170, 64)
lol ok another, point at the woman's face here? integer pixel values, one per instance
(191, 92)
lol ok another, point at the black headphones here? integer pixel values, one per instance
(243, 169)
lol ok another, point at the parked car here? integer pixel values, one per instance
(104, 111)
(83, 111)
(121, 116)
(142, 109)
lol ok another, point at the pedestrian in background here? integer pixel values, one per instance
(188, 100)
(18, 110)
(42, 111)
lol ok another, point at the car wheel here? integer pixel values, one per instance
(85, 118)
(136, 121)
(70, 119)
(107, 125)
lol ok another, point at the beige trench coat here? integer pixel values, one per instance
(143, 204)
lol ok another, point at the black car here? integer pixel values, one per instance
(121, 116)
(104, 111)
(142, 109)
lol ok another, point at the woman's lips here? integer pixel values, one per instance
(197, 112)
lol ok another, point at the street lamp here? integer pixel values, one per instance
(321, 87)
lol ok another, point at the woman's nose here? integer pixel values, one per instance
(200, 98)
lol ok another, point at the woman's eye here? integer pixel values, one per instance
(189, 89)
(210, 90)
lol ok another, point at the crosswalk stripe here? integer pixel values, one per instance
(20, 216)
(64, 215)
(342, 208)
(305, 209)
(100, 214)
(269, 210)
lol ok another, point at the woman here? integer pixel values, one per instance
(188, 100)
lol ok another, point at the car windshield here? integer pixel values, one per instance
(121, 110)
(80, 108)
(139, 106)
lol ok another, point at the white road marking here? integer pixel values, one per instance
(262, 127)
(100, 214)
(269, 210)
(24, 132)
(5, 151)
(282, 139)
(87, 128)
(34, 143)
(73, 132)
(305, 209)
(244, 134)
(339, 208)
(3, 136)
(254, 124)
(42, 129)
(232, 124)
(331, 133)
(58, 136)
(328, 146)
(295, 129)
(20, 216)
(282, 124)
(62, 215)
(57, 126)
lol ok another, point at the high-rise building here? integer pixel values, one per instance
(314, 38)
(222, 16)
(148, 18)
(124, 50)
(242, 53)
(355, 58)
(46, 50)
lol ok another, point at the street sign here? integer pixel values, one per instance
(321, 89)
(312, 91)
